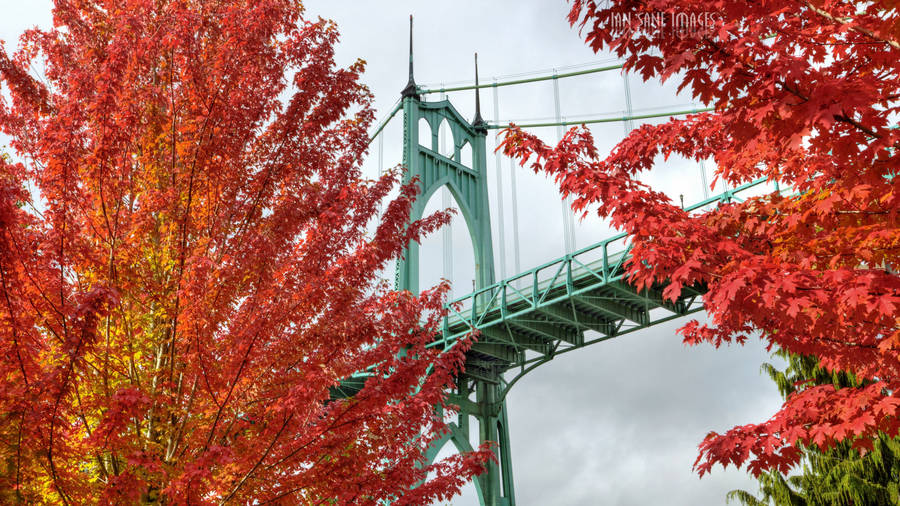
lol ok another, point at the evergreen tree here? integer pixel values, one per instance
(841, 475)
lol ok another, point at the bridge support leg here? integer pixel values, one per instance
(506, 457)
(496, 483)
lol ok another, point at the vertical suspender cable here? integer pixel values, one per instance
(380, 155)
(500, 218)
(515, 216)
(517, 258)
(703, 179)
(380, 164)
(629, 110)
(629, 126)
(570, 215)
(568, 219)
(447, 231)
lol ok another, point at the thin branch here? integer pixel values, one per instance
(858, 29)
(258, 462)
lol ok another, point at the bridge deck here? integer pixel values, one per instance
(546, 311)
(527, 319)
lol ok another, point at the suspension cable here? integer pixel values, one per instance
(493, 126)
(387, 120)
(495, 84)
(565, 202)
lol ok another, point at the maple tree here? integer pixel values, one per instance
(805, 94)
(188, 269)
(837, 476)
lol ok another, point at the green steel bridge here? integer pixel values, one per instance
(528, 319)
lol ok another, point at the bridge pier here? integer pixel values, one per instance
(497, 481)
(495, 486)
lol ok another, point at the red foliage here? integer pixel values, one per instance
(186, 269)
(805, 93)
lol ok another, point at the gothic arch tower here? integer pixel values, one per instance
(478, 397)
(467, 184)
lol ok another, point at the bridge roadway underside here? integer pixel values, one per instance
(530, 330)
(526, 321)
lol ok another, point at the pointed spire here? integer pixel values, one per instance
(410, 90)
(478, 122)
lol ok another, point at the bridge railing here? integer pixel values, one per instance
(599, 263)
(583, 270)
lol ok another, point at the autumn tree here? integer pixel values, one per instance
(805, 94)
(839, 476)
(188, 268)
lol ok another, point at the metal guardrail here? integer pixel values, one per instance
(584, 270)
(578, 272)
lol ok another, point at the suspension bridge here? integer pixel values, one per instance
(535, 315)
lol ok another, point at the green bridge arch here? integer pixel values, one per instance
(468, 185)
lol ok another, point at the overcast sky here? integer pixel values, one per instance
(615, 423)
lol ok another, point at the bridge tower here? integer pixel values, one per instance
(479, 397)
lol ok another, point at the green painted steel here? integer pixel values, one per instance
(525, 320)
(493, 126)
(425, 91)
(468, 185)
(530, 318)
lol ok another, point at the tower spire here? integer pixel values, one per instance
(410, 90)
(478, 122)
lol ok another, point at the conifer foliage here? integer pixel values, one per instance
(185, 268)
(806, 93)
(839, 476)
